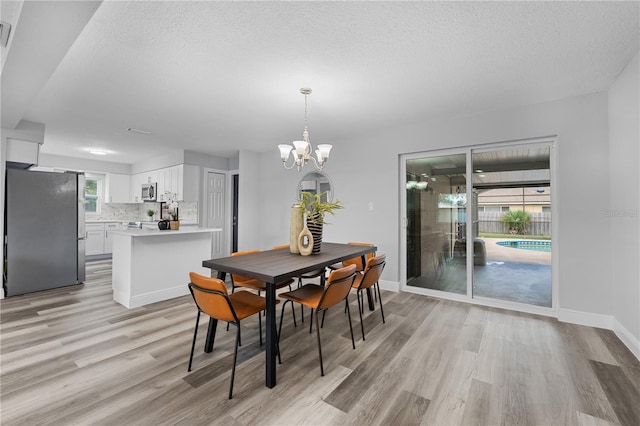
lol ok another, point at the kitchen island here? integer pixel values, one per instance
(150, 265)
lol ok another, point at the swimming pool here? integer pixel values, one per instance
(544, 246)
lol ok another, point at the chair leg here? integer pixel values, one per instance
(360, 312)
(301, 306)
(193, 344)
(319, 345)
(259, 328)
(311, 322)
(235, 358)
(380, 299)
(324, 312)
(293, 312)
(353, 342)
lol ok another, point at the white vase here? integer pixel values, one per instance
(305, 242)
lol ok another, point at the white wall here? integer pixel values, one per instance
(253, 208)
(623, 211)
(365, 169)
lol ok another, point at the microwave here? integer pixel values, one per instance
(149, 191)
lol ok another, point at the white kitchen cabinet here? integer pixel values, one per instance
(99, 237)
(118, 188)
(136, 187)
(180, 182)
(94, 239)
(108, 236)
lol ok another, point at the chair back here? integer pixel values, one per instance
(211, 297)
(373, 271)
(337, 287)
(238, 279)
(358, 260)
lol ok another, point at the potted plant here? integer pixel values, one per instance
(174, 223)
(315, 210)
(150, 213)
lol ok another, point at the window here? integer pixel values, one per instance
(93, 193)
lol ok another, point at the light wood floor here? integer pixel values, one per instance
(72, 356)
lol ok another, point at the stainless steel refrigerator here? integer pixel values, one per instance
(44, 231)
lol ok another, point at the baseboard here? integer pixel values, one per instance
(152, 297)
(629, 340)
(585, 318)
(389, 286)
(602, 321)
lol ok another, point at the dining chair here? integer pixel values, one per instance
(307, 275)
(252, 283)
(320, 298)
(355, 260)
(369, 278)
(212, 298)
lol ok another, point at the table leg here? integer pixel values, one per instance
(370, 299)
(369, 294)
(270, 350)
(211, 335)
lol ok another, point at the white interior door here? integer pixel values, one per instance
(215, 213)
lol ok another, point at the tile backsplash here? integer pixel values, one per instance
(187, 212)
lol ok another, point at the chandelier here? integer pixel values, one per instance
(301, 150)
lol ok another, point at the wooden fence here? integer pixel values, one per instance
(491, 222)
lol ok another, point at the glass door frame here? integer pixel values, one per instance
(549, 141)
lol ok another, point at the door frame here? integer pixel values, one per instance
(550, 141)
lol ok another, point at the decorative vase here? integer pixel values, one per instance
(316, 231)
(295, 227)
(305, 242)
(174, 225)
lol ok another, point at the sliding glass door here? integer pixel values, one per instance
(512, 234)
(436, 210)
(493, 203)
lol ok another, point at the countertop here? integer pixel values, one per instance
(156, 232)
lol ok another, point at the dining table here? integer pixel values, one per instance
(273, 267)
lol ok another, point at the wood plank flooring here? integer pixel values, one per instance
(72, 356)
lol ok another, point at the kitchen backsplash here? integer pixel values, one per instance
(132, 212)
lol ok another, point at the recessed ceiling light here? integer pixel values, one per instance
(479, 171)
(98, 151)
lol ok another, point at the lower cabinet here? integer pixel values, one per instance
(98, 238)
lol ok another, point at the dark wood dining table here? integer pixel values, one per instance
(272, 267)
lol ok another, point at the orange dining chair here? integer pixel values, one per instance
(308, 275)
(369, 278)
(252, 283)
(355, 260)
(212, 298)
(321, 298)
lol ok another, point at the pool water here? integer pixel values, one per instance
(544, 246)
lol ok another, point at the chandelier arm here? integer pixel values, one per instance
(317, 165)
(284, 163)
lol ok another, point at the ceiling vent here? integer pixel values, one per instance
(5, 29)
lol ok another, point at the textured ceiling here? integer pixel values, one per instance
(215, 77)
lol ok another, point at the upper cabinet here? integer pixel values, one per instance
(179, 182)
(118, 188)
